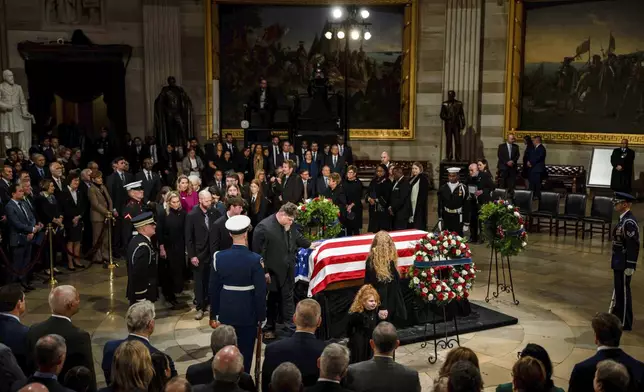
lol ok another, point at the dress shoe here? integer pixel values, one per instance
(72, 269)
(199, 315)
(27, 287)
(79, 265)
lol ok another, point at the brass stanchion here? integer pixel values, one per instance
(52, 281)
(110, 221)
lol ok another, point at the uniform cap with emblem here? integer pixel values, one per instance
(134, 186)
(453, 170)
(143, 219)
(238, 224)
(620, 197)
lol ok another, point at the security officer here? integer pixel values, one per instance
(626, 247)
(142, 261)
(454, 204)
(238, 288)
(133, 208)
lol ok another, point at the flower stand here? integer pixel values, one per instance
(501, 287)
(442, 342)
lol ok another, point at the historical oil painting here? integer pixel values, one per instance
(584, 67)
(287, 45)
(82, 13)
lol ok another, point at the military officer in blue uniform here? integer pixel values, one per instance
(142, 261)
(133, 208)
(238, 288)
(626, 246)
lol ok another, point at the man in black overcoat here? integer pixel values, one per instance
(622, 160)
(400, 200)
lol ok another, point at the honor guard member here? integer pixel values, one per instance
(133, 208)
(142, 261)
(626, 246)
(238, 288)
(454, 204)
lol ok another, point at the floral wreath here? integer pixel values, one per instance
(436, 283)
(321, 217)
(503, 227)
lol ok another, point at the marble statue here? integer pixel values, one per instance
(173, 119)
(15, 120)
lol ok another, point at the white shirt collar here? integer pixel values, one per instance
(71, 190)
(622, 215)
(62, 317)
(10, 315)
(146, 237)
(602, 348)
(328, 380)
(140, 336)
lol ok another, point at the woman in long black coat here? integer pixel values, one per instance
(335, 192)
(419, 184)
(73, 206)
(378, 200)
(353, 191)
(257, 206)
(48, 211)
(529, 147)
(174, 244)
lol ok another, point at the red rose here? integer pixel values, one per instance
(415, 272)
(323, 227)
(421, 285)
(455, 275)
(466, 294)
(417, 246)
(451, 294)
(433, 286)
(433, 242)
(419, 258)
(423, 294)
(467, 266)
(316, 199)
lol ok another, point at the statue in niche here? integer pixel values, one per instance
(15, 120)
(453, 116)
(73, 12)
(173, 116)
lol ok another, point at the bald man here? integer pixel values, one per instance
(227, 367)
(34, 387)
(64, 303)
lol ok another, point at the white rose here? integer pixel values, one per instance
(459, 288)
(430, 235)
(458, 252)
(459, 238)
(433, 280)
(431, 271)
(434, 247)
(451, 281)
(430, 297)
(444, 251)
(461, 280)
(522, 226)
(438, 289)
(464, 272)
(423, 274)
(523, 244)
(445, 244)
(518, 215)
(416, 280)
(446, 288)
(425, 290)
(510, 207)
(463, 246)
(449, 237)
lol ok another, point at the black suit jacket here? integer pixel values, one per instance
(198, 237)
(281, 158)
(327, 386)
(381, 374)
(339, 167)
(152, 187)
(221, 239)
(272, 157)
(35, 176)
(310, 188)
(79, 345)
(270, 102)
(10, 372)
(400, 202)
(291, 190)
(51, 384)
(233, 150)
(320, 186)
(504, 157)
(538, 159)
(347, 154)
(581, 378)
(136, 158)
(4, 192)
(201, 373)
(302, 349)
(116, 190)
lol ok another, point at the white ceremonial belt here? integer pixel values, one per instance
(239, 288)
(135, 232)
(456, 211)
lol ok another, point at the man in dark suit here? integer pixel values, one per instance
(400, 201)
(22, 229)
(277, 242)
(608, 332)
(285, 155)
(304, 147)
(56, 173)
(286, 378)
(140, 325)
(263, 101)
(47, 150)
(39, 170)
(274, 152)
(480, 187)
(227, 368)
(622, 159)
(322, 183)
(308, 185)
(508, 154)
(116, 188)
(344, 150)
(199, 243)
(229, 145)
(12, 332)
(333, 365)
(10, 372)
(335, 161)
(201, 373)
(537, 165)
(136, 155)
(64, 302)
(381, 373)
(302, 349)
(5, 183)
(50, 355)
(289, 187)
(150, 181)
(221, 239)
(317, 156)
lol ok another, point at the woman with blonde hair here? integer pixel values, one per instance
(259, 162)
(132, 368)
(381, 271)
(195, 182)
(189, 198)
(173, 258)
(363, 318)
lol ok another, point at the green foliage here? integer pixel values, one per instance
(320, 219)
(503, 227)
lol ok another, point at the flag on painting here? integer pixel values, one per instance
(611, 43)
(583, 48)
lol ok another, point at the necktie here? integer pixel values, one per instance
(253, 200)
(306, 194)
(275, 155)
(122, 177)
(23, 209)
(315, 154)
(326, 182)
(206, 221)
(335, 160)
(510, 151)
(147, 174)
(41, 172)
(219, 184)
(286, 156)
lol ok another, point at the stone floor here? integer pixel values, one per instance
(560, 282)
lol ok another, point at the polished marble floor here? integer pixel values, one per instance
(560, 282)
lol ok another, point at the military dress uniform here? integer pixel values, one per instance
(238, 290)
(626, 245)
(132, 209)
(454, 206)
(142, 264)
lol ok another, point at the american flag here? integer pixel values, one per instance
(342, 259)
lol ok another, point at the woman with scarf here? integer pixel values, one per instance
(419, 184)
(259, 162)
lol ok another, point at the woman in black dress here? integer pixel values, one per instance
(226, 164)
(363, 318)
(243, 163)
(381, 271)
(48, 211)
(335, 192)
(378, 200)
(353, 191)
(483, 166)
(525, 171)
(419, 191)
(257, 207)
(73, 206)
(174, 246)
(168, 165)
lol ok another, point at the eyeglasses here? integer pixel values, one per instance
(519, 355)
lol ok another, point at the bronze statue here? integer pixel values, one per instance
(173, 120)
(454, 117)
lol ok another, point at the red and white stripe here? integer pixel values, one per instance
(341, 259)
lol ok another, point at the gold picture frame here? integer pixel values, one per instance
(514, 67)
(408, 83)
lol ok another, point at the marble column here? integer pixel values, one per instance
(4, 49)
(463, 33)
(161, 50)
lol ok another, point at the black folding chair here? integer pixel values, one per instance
(523, 200)
(601, 214)
(499, 194)
(574, 212)
(548, 209)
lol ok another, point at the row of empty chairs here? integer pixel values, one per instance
(573, 219)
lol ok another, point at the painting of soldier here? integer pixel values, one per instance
(583, 67)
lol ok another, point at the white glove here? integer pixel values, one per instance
(629, 271)
(440, 225)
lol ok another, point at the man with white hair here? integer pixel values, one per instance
(140, 326)
(333, 364)
(286, 378)
(384, 159)
(56, 170)
(64, 302)
(227, 366)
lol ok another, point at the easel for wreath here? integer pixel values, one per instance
(501, 287)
